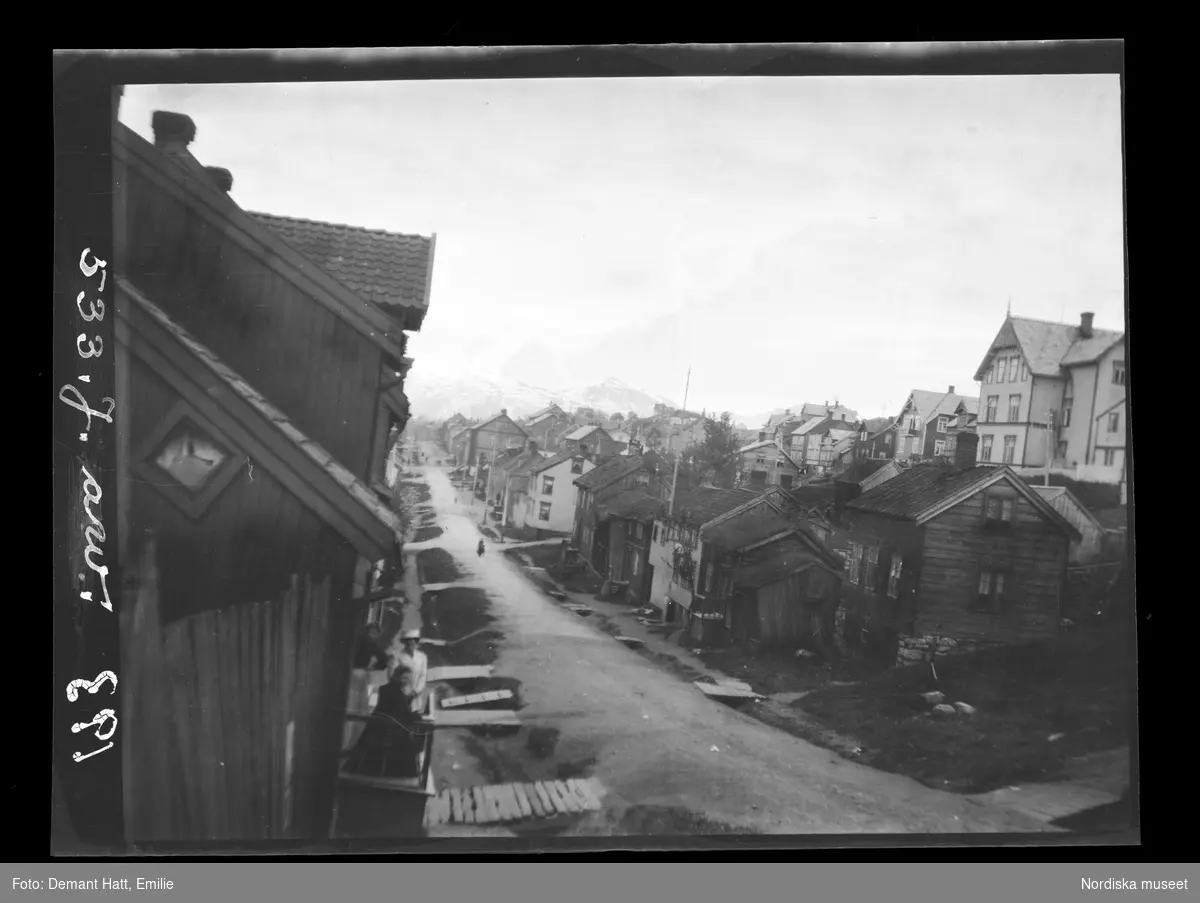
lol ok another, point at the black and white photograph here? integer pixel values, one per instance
(614, 458)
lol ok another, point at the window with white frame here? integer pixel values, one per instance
(1066, 411)
(760, 459)
(914, 423)
(1110, 457)
(1014, 408)
(897, 563)
(544, 511)
(547, 485)
(855, 561)
(993, 402)
(998, 509)
(1024, 371)
(1118, 377)
(1010, 449)
(942, 424)
(939, 448)
(990, 374)
(985, 448)
(1114, 422)
(577, 465)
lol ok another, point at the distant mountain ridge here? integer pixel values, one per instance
(434, 397)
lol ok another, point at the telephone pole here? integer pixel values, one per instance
(679, 453)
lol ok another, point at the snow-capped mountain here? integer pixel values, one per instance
(436, 397)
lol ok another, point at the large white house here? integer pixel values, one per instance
(550, 496)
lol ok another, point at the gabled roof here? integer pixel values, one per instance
(754, 446)
(926, 490)
(760, 528)
(949, 403)
(810, 424)
(924, 401)
(1054, 494)
(633, 504)
(612, 470)
(271, 440)
(388, 268)
(1049, 347)
(181, 175)
(584, 431)
(777, 561)
(553, 461)
(493, 419)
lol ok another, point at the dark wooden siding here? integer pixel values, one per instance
(1034, 552)
(891, 536)
(308, 361)
(247, 544)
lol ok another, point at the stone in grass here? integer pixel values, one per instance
(933, 698)
(964, 709)
(944, 711)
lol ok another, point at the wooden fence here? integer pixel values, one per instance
(226, 712)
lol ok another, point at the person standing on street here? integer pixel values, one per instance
(479, 549)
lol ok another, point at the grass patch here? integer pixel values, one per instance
(461, 612)
(1077, 686)
(672, 820)
(425, 533)
(437, 566)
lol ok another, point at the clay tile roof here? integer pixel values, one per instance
(387, 268)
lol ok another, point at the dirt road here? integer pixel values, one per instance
(654, 741)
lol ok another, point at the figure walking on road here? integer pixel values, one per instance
(479, 549)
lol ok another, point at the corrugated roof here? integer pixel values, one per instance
(357, 489)
(634, 504)
(387, 268)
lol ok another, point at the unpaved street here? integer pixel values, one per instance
(652, 739)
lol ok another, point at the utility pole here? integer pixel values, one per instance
(487, 493)
(1049, 448)
(679, 454)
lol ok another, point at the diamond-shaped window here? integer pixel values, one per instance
(190, 456)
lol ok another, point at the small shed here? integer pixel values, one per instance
(1089, 548)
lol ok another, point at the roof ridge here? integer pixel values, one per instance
(1095, 329)
(348, 226)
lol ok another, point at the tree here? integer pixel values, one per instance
(618, 417)
(715, 459)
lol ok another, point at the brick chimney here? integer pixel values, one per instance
(504, 412)
(222, 177)
(966, 446)
(1085, 324)
(532, 445)
(173, 132)
(950, 391)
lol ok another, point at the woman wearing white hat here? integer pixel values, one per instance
(412, 665)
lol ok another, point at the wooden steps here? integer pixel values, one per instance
(496, 804)
(458, 672)
(455, 702)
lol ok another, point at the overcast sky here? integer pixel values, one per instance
(791, 239)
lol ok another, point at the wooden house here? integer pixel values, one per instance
(675, 544)
(550, 495)
(1089, 548)
(543, 427)
(246, 506)
(590, 440)
(261, 549)
(947, 556)
(764, 464)
(590, 534)
(492, 436)
(924, 423)
(630, 517)
(449, 428)
(511, 479)
(765, 578)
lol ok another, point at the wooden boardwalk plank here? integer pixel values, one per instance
(481, 809)
(458, 672)
(453, 718)
(581, 793)
(476, 698)
(509, 794)
(496, 795)
(560, 798)
(568, 797)
(495, 813)
(456, 805)
(535, 801)
(522, 800)
(444, 806)
(547, 800)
